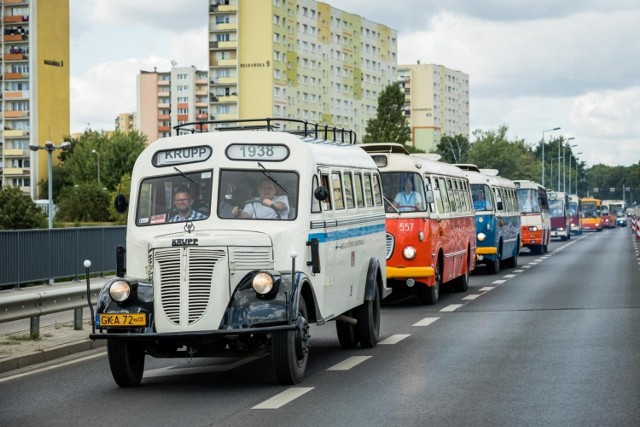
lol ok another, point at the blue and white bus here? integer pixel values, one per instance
(497, 210)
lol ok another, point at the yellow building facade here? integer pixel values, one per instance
(35, 88)
(298, 59)
(436, 103)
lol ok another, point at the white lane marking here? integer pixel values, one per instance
(283, 398)
(471, 297)
(426, 321)
(486, 289)
(518, 271)
(394, 339)
(498, 282)
(508, 276)
(450, 308)
(172, 370)
(48, 368)
(526, 266)
(349, 363)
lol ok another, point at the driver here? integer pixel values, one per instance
(267, 205)
(408, 199)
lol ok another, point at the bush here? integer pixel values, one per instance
(85, 202)
(19, 212)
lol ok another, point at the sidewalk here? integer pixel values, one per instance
(17, 350)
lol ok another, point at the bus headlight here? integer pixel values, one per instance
(533, 228)
(262, 283)
(481, 237)
(409, 252)
(120, 290)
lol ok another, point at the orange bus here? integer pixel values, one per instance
(535, 217)
(592, 214)
(431, 234)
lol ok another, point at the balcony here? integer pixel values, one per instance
(16, 152)
(16, 94)
(15, 76)
(15, 37)
(228, 80)
(12, 19)
(15, 57)
(16, 171)
(8, 133)
(164, 117)
(164, 128)
(164, 94)
(202, 116)
(15, 114)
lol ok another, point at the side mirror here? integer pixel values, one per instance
(321, 193)
(121, 203)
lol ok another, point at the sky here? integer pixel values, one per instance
(533, 65)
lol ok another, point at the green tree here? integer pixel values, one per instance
(513, 159)
(87, 202)
(19, 212)
(453, 149)
(390, 124)
(61, 178)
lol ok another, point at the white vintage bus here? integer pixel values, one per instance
(237, 239)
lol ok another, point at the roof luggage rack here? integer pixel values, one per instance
(307, 130)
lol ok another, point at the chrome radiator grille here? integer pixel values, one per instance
(251, 258)
(390, 243)
(185, 277)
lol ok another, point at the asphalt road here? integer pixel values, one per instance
(554, 342)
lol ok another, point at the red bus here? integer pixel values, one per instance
(560, 215)
(535, 217)
(431, 234)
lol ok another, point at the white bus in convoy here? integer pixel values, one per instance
(239, 238)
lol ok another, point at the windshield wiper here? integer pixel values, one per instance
(391, 204)
(266, 173)
(186, 177)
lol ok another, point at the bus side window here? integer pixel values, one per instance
(359, 191)
(315, 203)
(431, 205)
(325, 184)
(348, 190)
(368, 192)
(377, 191)
(336, 189)
(451, 195)
(442, 190)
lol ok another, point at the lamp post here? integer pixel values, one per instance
(576, 174)
(49, 147)
(555, 159)
(97, 154)
(543, 132)
(564, 169)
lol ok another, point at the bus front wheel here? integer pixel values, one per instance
(290, 349)
(429, 294)
(126, 361)
(368, 316)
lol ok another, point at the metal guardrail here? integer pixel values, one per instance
(17, 305)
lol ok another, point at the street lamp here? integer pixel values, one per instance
(50, 148)
(543, 132)
(97, 154)
(576, 174)
(555, 159)
(564, 169)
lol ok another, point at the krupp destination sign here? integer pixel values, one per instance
(180, 156)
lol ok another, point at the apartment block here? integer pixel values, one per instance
(298, 59)
(436, 103)
(167, 99)
(125, 122)
(34, 96)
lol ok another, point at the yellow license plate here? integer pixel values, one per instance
(124, 320)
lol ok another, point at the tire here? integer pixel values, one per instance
(347, 333)
(494, 266)
(430, 294)
(126, 361)
(513, 261)
(290, 349)
(461, 284)
(368, 316)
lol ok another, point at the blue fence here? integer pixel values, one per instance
(29, 256)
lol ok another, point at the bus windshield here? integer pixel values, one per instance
(590, 210)
(528, 199)
(174, 198)
(403, 191)
(259, 194)
(573, 209)
(557, 208)
(482, 200)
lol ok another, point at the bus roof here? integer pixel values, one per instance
(479, 176)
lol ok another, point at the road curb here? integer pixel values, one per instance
(49, 354)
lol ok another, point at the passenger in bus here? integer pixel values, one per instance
(183, 202)
(408, 199)
(479, 203)
(266, 205)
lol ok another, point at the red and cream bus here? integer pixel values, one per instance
(431, 235)
(535, 217)
(560, 215)
(592, 214)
